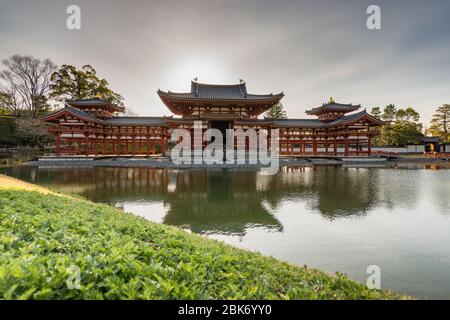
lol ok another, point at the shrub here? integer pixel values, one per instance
(47, 241)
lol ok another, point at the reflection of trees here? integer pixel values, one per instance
(344, 191)
(397, 189)
(333, 191)
(440, 193)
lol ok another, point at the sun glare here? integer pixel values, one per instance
(205, 69)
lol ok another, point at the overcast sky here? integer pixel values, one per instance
(311, 50)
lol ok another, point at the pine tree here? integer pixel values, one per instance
(376, 112)
(276, 112)
(440, 123)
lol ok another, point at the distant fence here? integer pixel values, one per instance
(22, 149)
(390, 149)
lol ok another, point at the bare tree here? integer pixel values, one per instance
(27, 82)
(9, 103)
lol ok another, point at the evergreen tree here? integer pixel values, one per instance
(376, 112)
(276, 112)
(440, 123)
(72, 83)
(401, 126)
(388, 116)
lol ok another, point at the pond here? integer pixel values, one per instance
(329, 217)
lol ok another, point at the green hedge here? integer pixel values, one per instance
(47, 240)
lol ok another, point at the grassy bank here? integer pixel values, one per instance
(47, 240)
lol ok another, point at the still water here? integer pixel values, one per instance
(332, 218)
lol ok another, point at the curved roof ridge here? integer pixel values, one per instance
(219, 84)
(353, 116)
(74, 111)
(345, 107)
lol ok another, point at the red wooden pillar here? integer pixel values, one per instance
(314, 147)
(291, 143)
(58, 144)
(369, 146)
(357, 144)
(346, 145)
(335, 147)
(148, 141)
(103, 146)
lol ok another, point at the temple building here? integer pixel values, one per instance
(91, 127)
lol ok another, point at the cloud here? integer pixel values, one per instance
(309, 49)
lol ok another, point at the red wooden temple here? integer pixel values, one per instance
(92, 127)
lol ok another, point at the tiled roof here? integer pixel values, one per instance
(430, 139)
(152, 121)
(333, 106)
(73, 111)
(314, 123)
(94, 102)
(88, 102)
(350, 118)
(81, 113)
(302, 123)
(221, 92)
(145, 121)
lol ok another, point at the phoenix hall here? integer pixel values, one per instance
(91, 127)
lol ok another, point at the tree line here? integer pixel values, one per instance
(403, 126)
(28, 86)
(31, 87)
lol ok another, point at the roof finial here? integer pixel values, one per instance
(331, 100)
(241, 80)
(195, 79)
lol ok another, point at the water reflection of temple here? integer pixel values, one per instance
(202, 201)
(231, 202)
(218, 202)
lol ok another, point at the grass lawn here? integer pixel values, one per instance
(54, 247)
